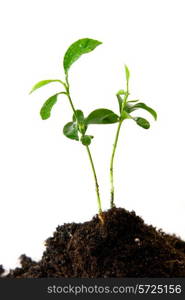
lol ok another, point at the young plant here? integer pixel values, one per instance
(126, 107)
(76, 129)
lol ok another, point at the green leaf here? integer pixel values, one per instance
(78, 48)
(102, 116)
(121, 92)
(39, 84)
(86, 140)
(70, 130)
(144, 106)
(130, 101)
(128, 108)
(142, 122)
(79, 116)
(120, 101)
(47, 107)
(127, 73)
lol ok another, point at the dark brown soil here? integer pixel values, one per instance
(123, 247)
(1, 270)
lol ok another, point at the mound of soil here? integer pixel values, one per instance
(123, 247)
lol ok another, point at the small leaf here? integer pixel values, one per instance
(78, 48)
(47, 107)
(121, 92)
(128, 107)
(120, 101)
(144, 106)
(127, 73)
(70, 130)
(132, 101)
(142, 122)
(79, 118)
(102, 116)
(86, 140)
(42, 83)
(79, 115)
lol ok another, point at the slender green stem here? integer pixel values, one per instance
(95, 179)
(67, 87)
(71, 103)
(112, 204)
(127, 87)
(112, 164)
(63, 83)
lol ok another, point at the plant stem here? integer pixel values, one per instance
(67, 87)
(112, 204)
(112, 164)
(95, 179)
(68, 95)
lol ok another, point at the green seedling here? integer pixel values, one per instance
(77, 128)
(126, 107)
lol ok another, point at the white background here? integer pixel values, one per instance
(45, 179)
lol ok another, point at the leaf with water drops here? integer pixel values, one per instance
(70, 130)
(77, 49)
(142, 122)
